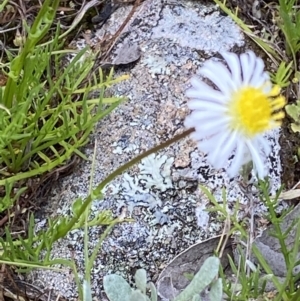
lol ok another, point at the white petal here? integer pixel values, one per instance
(263, 84)
(206, 116)
(210, 128)
(197, 83)
(238, 160)
(247, 156)
(189, 122)
(201, 133)
(196, 104)
(258, 73)
(208, 145)
(226, 148)
(206, 93)
(263, 143)
(234, 65)
(266, 84)
(247, 64)
(257, 160)
(219, 75)
(194, 119)
(217, 155)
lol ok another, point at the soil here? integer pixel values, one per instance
(289, 142)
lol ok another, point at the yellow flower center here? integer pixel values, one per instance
(253, 111)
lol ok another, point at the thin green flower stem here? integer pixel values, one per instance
(97, 191)
(86, 217)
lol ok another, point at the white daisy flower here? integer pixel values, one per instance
(233, 118)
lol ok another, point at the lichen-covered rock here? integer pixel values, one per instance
(161, 193)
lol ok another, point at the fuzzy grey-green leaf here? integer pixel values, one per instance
(138, 296)
(140, 278)
(196, 298)
(216, 290)
(116, 288)
(202, 279)
(153, 291)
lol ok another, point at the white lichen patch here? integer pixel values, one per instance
(205, 30)
(155, 172)
(143, 189)
(157, 65)
(202, 215)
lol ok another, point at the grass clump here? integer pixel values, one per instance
(48, 109)
(251, 275)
